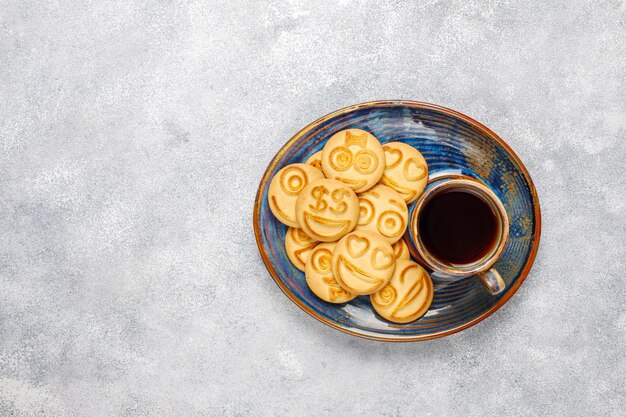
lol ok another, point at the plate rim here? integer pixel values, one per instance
(416, 105)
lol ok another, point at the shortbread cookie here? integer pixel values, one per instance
(327, 210)
(315, 160)
(407, 296)
(406, 171)
(319, 275)
(285, 187)
(401, 250)
(355, 157)
(363, 262)
(298, 246)
(382, 210)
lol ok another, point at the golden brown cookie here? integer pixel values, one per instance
(298, 246)
(355, 157)
(382, 210)
(315, 160)
(327, 210)
(363, 262)
(406, 171)
(407, 296)
(319, 275)
(401, 250)
(285, 187)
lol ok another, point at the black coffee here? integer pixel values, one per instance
(458, 227)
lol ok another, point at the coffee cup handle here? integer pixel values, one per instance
(492, 281)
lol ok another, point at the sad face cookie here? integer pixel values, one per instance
(406, 171)
(383, 211)
(285, 188)
(355, 157)
(407, 296)
(319, 275)
(401, 250)
(363, 262)
(327, 210)
(315, 160)
(298, 246)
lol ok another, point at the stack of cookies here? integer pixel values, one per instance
(346, 209)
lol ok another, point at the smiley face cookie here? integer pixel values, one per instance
(363, 262)
(355, 157)
(407, 296)
(327, 210)
(285, 188)
(406, 171)
(298, 246)
(382, 210)
(401, 250)
(319, 275)
(315, 160)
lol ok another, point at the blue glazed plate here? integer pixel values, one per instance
(453, 144)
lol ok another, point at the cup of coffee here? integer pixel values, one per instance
(460, 228)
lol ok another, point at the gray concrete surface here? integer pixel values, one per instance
(132, 139)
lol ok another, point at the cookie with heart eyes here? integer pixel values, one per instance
(407, 296)
(319, 275)
(355, 157)
(327, 210)
(401, 250)
(382, 210)
(405, 171)
(363, 262)
(298, 246)
(286, 186)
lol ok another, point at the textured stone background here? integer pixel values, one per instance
(132, 140)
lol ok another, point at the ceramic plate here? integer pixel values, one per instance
(453, 144)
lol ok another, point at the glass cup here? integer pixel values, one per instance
(482, 267)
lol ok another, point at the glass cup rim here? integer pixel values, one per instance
(483, 192)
